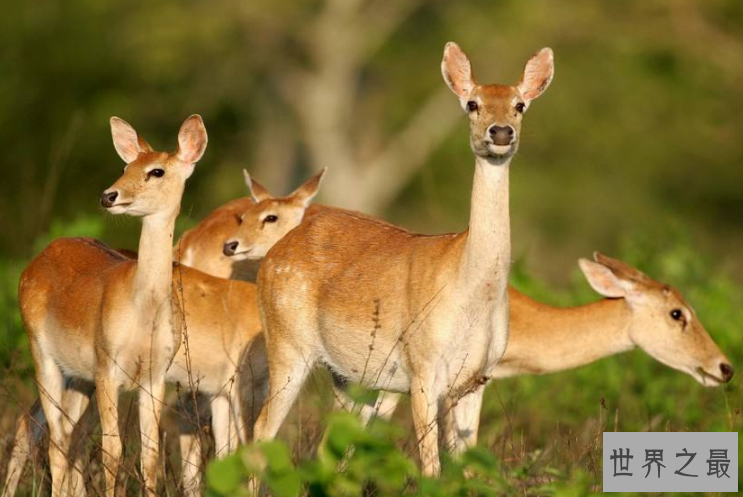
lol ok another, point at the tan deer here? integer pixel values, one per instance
(221, 358)
(390, 309)
(637, 312)
(226, 344)
(95, 315)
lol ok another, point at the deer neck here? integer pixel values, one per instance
(153, 279)
(546, 339)
(486, 254)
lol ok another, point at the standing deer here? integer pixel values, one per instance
(637, 312)
(222, 355)
(95, 315)
(394, 310)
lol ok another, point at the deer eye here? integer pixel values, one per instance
(239, 219)
(677, 315)
(157, 173)
(270, 219)
(472, 106)
(520, 107)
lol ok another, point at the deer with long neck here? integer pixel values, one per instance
(387, 308)
(108, 319)
(637, 311)
(221, 358)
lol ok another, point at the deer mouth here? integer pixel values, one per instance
(242, 255)
(119, 208)
(704, 376)
(500, 152)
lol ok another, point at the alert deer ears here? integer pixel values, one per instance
(192, 140)
(537, 75)
(305, 193)
(603, 280)
(127, 142)
(257, 191)
(457, 71)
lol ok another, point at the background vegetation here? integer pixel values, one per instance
(635, 150)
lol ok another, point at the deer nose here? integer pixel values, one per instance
(501, 135)
(108, 198)
(727, 372)
(230, 248)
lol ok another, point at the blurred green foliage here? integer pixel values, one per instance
(640, 128)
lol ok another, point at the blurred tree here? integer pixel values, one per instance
(326, 88)
(641, 126)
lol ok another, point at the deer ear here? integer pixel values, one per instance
(602, 279)
(192, 140)
(457, 72)
(305, 193)
(537, 75)
(257, 191)
(126, 141)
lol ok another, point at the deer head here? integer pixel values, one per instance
(495, 111)
(269, 218)
(662, 322)
(153, 182)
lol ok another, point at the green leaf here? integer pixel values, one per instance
(277, 456)
(225, 475)
(284, 484)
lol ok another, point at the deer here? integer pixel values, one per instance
(390, 309)
(221, 326)
(94, 315)
(636, 312)
(264, 221)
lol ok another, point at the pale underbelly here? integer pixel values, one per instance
(206, 380)
(380, 369)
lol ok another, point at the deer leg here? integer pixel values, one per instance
(51, 391)
(75, 399)
(386, 404)
(150, 408)
(237, 421)
(461, 422)
(190, 464)
(28, 435)
(107, 396)
(252, 387)
(223, 426)
(191, 439)
(288, 372)
(424, 404)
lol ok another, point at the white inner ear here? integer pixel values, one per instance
(126, 142)
(457, 72)
(537, 75)
(603, 280)
(306, 197)
(249, 184)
